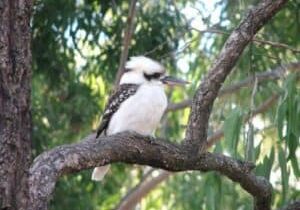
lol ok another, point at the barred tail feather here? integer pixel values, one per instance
(99, 172)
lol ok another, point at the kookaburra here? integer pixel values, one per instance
(138, 103)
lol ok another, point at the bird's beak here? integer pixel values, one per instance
(172, 81)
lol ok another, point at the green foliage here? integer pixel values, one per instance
(284, 173)
(76, 47)
(232, 128)
(288, 119)
(264, 169)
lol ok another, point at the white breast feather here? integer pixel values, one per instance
(141, 112)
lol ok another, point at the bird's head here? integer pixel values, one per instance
(143, 70)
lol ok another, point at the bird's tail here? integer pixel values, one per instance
(99, 172)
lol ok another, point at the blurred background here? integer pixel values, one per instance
(76, 51)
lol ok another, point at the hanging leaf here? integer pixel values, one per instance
(269, 163)
(210, 194)
(219, 194)
(293, 143)
(257, 151)
(284, 173)
(280, 119)
(288, 120)
(232, 127)
(264, 169)
(250, 152)
(295, 165)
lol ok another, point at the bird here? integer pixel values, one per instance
(138, 103)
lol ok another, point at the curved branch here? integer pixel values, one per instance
(203, 100)
(141, 190)
(275, 74)
(136, 149)
(255, 40)
(146, 185)
(295, 205)
(211, 140)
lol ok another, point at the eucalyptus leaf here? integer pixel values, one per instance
(284, 174)
(232, 128)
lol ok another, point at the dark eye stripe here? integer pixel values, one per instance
(152, 76)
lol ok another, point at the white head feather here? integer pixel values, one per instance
(137, 67)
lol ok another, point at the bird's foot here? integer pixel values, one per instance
(151, 139)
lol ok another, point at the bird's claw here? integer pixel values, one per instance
(151, 139)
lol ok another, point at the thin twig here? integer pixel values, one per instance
(141, 190)
(208, 90)
(257, 40)
(262, 108)
(126, 41)
(133, 148)
(278, 73)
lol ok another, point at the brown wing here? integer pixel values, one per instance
(123, 92)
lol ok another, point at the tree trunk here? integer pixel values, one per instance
(15, 118)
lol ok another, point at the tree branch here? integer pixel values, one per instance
(146, 185)
(278, 73)
(211, 140)
(141, 190)
(203, 100)
(255, 40)
(133, 148)
(136, 149)
(126, 40)
(295, 205)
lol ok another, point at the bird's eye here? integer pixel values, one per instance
(156, 75)
(152, 76)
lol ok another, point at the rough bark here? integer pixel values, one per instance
(133, 148)
(134, 196)
(295, 205)
(15, 119)
(203, 100)
(15, 122)
(136, 149)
